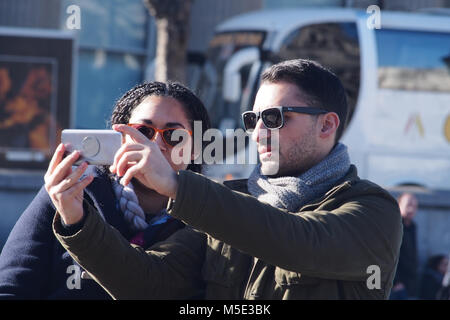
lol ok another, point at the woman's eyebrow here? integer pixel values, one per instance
(168, 124)
(174, 124)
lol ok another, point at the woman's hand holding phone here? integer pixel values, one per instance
(64, 187)
(141, 159)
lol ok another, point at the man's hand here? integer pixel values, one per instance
(64, 187)
(144, 161)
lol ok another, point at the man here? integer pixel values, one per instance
(311, 230)
(406, 279)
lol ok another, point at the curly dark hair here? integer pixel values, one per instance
(193, 106)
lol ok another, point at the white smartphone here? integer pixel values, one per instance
(97, 147)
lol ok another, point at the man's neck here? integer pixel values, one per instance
(299, 171)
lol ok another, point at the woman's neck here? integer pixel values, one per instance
(149, 200)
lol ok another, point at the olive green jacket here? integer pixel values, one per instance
(344, 245)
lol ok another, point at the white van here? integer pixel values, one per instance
(397, 79)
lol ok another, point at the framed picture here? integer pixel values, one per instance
(36, 95)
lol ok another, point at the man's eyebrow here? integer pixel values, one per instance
(168, 124)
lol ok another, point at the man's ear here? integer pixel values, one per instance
(329, 124)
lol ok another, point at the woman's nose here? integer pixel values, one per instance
(160, 141)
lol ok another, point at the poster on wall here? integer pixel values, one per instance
(35, 95)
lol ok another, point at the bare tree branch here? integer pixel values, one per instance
(172, 23)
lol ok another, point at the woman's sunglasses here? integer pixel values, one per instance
(273, 117)
(166, 134)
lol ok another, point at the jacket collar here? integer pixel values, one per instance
(347, 181)
(237, 185)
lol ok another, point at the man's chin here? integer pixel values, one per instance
(270, 168)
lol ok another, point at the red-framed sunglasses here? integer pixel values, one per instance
(166, 133)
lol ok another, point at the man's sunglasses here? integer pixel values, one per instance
(273, 117)
(166, 134)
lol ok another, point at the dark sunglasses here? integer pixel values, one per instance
(166, 134)
(273, 117)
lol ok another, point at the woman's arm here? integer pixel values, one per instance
(26, 257)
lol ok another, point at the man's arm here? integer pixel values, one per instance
(168, 270)
(338, 243)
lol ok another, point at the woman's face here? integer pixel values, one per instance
(161, 113)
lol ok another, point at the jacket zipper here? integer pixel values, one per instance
(249, 285)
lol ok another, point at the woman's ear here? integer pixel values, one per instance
(329, 124)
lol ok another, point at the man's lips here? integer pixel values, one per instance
(264, 149)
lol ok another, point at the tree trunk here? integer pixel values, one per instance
(172, 23)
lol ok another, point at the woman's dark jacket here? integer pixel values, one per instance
(33, 264)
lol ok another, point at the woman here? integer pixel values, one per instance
(33, 265)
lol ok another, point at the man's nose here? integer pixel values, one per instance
(260, 133)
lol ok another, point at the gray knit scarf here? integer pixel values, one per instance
(291, 193)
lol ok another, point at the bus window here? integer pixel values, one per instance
(413, 60)
(221, 49)
(333, 45)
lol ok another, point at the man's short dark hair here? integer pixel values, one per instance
(319, 86)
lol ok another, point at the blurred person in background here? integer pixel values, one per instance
(406, 278)
(33, 265)
(433, 275)
(444, 293)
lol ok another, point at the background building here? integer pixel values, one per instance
(112, 47)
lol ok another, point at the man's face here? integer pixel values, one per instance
(408, 206)
(298, 138)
